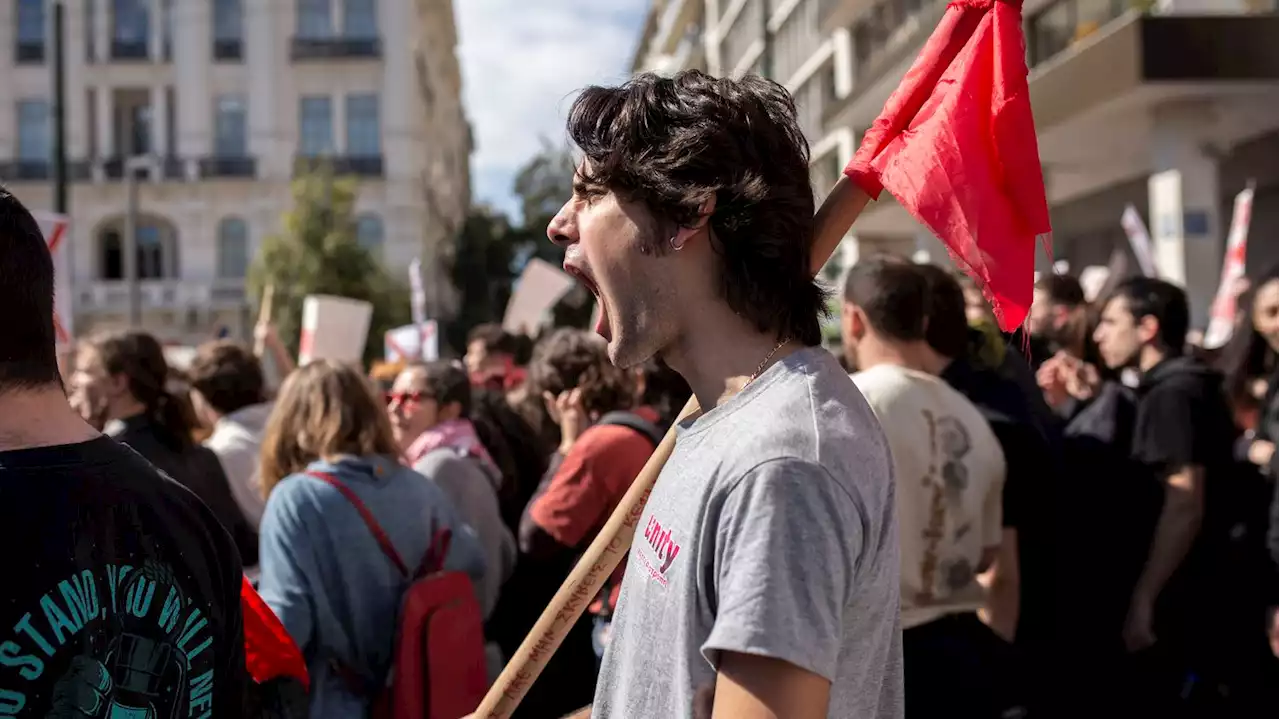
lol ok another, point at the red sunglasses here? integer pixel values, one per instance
(398, 398)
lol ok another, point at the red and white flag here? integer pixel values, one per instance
(56, 230)
(1222, 316)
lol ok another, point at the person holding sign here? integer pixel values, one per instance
(766, 577)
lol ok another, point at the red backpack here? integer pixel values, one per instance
(438, 668)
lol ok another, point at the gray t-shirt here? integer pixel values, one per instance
(771, 531)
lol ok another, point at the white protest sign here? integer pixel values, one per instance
(1139, 239)
(1222, 316)
(409, 343)
(539, 288)
(1092, 279)
(56, 231)
(333, 328)
(417, 293)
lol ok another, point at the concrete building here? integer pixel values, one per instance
(230, 99)
(1122, 90)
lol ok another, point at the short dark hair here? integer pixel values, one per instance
(575, 359)
(669, 143)
(892, 294)
(1151, 297)
(947, 331)
(28, 357)
(446, 383)
(227, 375)
(494, 338)
(1062, 289)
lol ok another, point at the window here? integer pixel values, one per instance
(228, 20)
(1052, 32)
(369, 234)
(152, 253)
(30, 21)
(132, 21)
(229, 123)
(33, 131)
(233, 248)
(315, 19)
(363, 132)
(90, 26)
(315, 126)
(139, 132)
(359, 20)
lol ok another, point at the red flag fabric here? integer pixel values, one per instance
(956, 145)
(269, 651)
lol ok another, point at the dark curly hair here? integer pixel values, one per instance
(672, 142)
(574, 359)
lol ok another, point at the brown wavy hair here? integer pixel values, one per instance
(140, 358)
(574, 359)
(324, 409)
(670, 142)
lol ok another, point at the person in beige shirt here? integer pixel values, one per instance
(949, 472)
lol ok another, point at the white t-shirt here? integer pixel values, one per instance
(949, 471)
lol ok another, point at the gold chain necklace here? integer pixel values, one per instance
(766, 359)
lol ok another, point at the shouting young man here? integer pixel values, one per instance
(763, 578)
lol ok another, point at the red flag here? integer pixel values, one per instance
(269, 651)
(956, 145)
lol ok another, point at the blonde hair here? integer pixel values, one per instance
(324, 409)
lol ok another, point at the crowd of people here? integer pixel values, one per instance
(1075, 520)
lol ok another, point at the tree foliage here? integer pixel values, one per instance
(318, 253)
(491, 250)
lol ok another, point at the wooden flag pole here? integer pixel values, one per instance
(264, 317)
(833, 220)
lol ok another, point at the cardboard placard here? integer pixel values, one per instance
(539, 288)
(334, 328)
(409, 343)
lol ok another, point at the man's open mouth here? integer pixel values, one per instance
(602, 322)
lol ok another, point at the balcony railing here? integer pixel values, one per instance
(344, 165)
(129, 50)
(36, 170)
(112, 296)
(228, 50)
(311, 48)
(28, 52)
(228, 167)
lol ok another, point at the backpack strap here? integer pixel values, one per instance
(631, 420)
(380, 536)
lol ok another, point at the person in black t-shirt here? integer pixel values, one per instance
(121, 592)
(1183, 434)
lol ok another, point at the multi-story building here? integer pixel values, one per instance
(217, 105)
(1121, 90)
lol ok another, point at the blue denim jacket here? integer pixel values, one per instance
(325, 577)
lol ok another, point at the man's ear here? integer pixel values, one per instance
(852, 319)
(682, 235)
(1148, 329)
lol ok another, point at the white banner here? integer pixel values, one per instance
(1222, 316)
(417, 293)
(1139, 240)
(57, 234)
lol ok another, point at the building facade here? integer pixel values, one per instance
(215, 106)
(1122, 91)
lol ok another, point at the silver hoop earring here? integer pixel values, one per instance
(674, 246)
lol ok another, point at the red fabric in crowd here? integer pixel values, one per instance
(269, 651)
(956, 145)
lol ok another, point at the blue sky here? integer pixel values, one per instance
(522, 62)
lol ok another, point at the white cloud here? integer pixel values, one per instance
(522, 62)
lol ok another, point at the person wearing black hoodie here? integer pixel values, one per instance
(1182, 437)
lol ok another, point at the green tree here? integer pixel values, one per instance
(482, 270)
(543, 184)
(318, 253)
